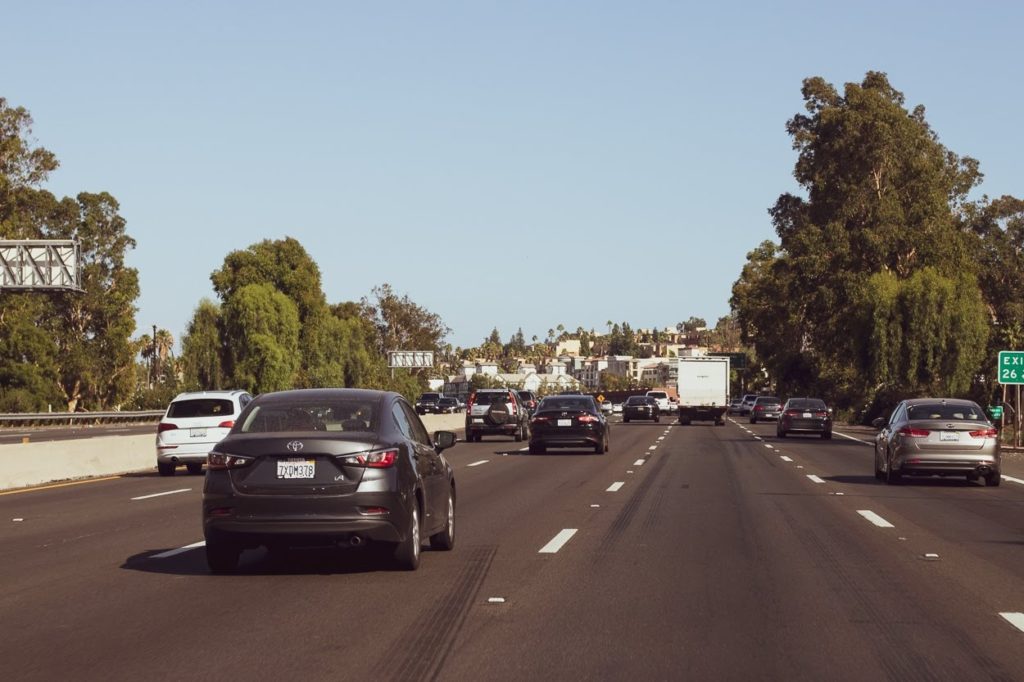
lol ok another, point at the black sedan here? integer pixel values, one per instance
(640, 407)
(328, 467)
(804, 415)
(568, 421)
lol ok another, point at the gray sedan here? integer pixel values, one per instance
(937, 437)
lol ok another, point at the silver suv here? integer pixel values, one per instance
(496, 411)
(192, 425)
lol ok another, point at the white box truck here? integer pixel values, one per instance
(703, 389)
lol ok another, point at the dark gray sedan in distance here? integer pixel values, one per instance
(328, 467)
(937, 437)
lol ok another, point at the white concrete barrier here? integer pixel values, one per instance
(27, 464)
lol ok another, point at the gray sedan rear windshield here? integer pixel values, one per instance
(200, 407)
(340, 415)
(807, 404)
(940, 411)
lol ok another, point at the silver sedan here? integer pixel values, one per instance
(937, 437)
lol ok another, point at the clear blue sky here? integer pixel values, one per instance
(515, 164)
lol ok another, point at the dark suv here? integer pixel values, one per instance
(496, 411)
(529, 399)
(428, 403)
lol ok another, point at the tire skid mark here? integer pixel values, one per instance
(625, 516)
(428, 641)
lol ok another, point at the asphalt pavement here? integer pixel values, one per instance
(694, 552)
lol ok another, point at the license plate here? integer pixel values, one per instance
(296, 468)
(949, 435)
(197, 433)
(565, 422)
(478, 420)
(807, 415)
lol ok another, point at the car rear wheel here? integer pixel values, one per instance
(826, 435)
(601, 446)
(166, 468)
(993, 479)
(538, 449)
(780, 433)
(194, 468)
(519, 434)
(625, 420)
(445, 540)
(753, 420)
(657, 419)
(892, 477)
(222, 556)
(407, 552)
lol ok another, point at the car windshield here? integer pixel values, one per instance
(431, 397)
(447, 401)
(807, 404)
(657, 394)
(492, 398)
(567, 404)
(200, 407)
(768, 401)
(638, 400)
(969, 412)
(333, 415)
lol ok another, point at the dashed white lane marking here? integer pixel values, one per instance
(476, 464)
(653, 447)
(169, 492)
(1011, 479)
(639, 462)
(180, 550)
(865, 442)
(875, 518)
(558, 541)
(769, 446)
(661, 437)
(1015, 619)
(758, 438)
(785, 459)
(615, 487)
(815, 478)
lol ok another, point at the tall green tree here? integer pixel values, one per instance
(203, 350)
(882, 195)
(263, 325)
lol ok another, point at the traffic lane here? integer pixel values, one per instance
(726, 564)
(164, 613)
(10, 435)
(976, 531)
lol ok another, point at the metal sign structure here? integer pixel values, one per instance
(410, 359)
(40, 265)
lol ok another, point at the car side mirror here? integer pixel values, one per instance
(878, 422)
(444, 440)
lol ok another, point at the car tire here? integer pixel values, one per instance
(657, 419)
(753, 420)
(879, 474)
(518, 436)
(445, 540)
(779, 433)
(993, 480)
(222, 556)
(194, 468)
(892, 477)
(407, 552)
(497, 415)
(166, 468)
(625, 420)
(600, 448)
(826, 435)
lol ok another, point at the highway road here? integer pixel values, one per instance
(697, 552)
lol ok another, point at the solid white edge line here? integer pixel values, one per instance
(1015, 619)
(558, 541)
(1011, 479)
(172, 552)
(615, 487)
(865, 442)
(639, 462)
(169, 492)
(785, 459)
(875, 518)
(815, 478)
(476, 464)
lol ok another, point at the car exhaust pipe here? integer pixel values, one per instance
(982, 471)
(355, 541)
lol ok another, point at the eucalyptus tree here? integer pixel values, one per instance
(883, 200)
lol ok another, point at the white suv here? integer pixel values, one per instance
(664, 404)
(192, 425)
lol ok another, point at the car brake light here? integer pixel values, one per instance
(759, 408)
(378, 459)
(164, 426)
(587, 418)
(216, 461)
(540, 420)
(226, 424)
(792, 413)
(913, 433)
(984, 433)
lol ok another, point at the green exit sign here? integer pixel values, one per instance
(1011, 366)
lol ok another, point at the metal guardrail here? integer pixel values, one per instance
(40, 418)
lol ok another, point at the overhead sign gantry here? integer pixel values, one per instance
(40, 265)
